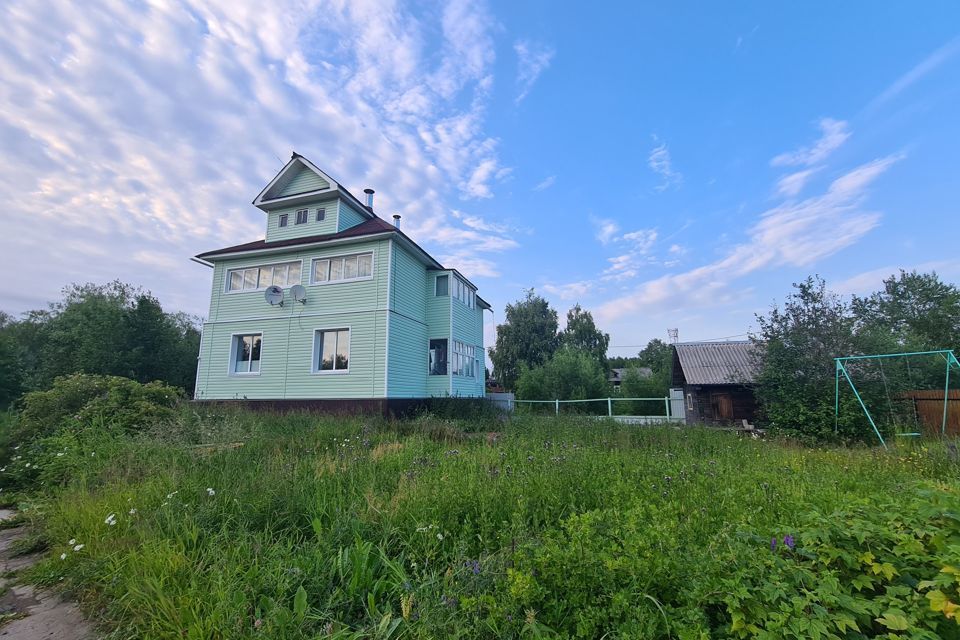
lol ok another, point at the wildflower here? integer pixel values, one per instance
(773, 544)
(788, 541)
(60, 454)
(171, 494)
(111, 519)
(78, 547)
(440, 537)
(72, 541)
(132, 512)
(211, 492)
(63, 556)
(93, 453)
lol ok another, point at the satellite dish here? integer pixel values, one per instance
(299, 293)
(273, 295)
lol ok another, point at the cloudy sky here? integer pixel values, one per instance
(664, 166)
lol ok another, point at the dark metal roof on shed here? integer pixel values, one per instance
(717, 362)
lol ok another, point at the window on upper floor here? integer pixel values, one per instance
(438, 357)
(282, 222)
(321, 215)
(281, 274)
(357, 266)
(443, 285)
(463, 359)
(331, 351)
(245, 354)
(463, 293)
(302, 215)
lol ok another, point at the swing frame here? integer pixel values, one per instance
(948, 356)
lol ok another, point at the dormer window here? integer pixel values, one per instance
(321, 214)
(302, 216)
(283, 220)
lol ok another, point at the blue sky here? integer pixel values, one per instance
(664, 165)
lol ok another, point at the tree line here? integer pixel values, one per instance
(113, 329)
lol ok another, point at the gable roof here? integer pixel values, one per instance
(716, 362)
(299, 181)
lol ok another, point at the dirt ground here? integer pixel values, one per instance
(36, 615)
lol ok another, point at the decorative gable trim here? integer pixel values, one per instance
(268, 199)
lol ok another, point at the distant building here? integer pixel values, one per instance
(717, 381)
(616, 375)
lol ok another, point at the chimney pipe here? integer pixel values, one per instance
(396, 220)
(369, 193)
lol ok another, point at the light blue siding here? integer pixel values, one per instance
(303, 181)
(408, 358)
(468, 328)
(349, 217)
(311, 228)
(438, 326)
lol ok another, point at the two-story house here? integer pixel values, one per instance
(375, 318)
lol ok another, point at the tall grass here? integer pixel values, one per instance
(317, 527)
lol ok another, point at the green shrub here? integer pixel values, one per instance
(82, 398)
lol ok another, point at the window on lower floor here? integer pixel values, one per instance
(245, 354)
(438, 357)
(331, 349)
(463, 359)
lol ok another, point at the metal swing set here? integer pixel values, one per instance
(950, 361)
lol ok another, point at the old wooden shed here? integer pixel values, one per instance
(717, 381)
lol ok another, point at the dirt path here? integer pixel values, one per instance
(45, 615)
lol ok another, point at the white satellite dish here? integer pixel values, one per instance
(273, 295)
(299, 293)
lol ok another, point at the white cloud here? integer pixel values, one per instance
(546, 183)
(642, 239)
(606, 229)
(925, 67)
(469, 264)
(792, 184)
(796, 234)
(869, 281)
(148, 127)
(661, 164)
(532, 59)
(833, 134)
(569, 291)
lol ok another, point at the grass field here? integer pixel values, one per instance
(322, 527)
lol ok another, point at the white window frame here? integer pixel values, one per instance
(232, 356)
(283, 220)
(321, 214)
(315, 358)
(436, 284)
(464, 359)
(306, 216)
(373, 267)
(229, 270)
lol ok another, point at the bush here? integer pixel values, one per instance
(83, 398)
(568, 375)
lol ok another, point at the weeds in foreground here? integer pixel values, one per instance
(569, 528)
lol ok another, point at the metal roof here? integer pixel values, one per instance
(717, 362)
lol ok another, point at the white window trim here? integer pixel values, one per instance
(306, 217)
(314, 358)
(227, 270)
(231, 356)
(449, 372)
(373, 268)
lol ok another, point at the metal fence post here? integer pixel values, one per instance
(557, 401)
(666, 406)
(609, 407)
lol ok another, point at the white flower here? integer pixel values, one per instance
(63, 556)
(60, 454)
(27, 466)
(439, 536)
(93, 453)
(111, 519)
(132, 512)
(171, 494)
(78, 547)
(210, 491)
(72, 541)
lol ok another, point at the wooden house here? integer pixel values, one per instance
(335, 307)
(716, 379)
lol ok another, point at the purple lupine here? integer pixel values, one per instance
(788, 540)
(773, 544)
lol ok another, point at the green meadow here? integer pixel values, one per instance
(301, 526)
